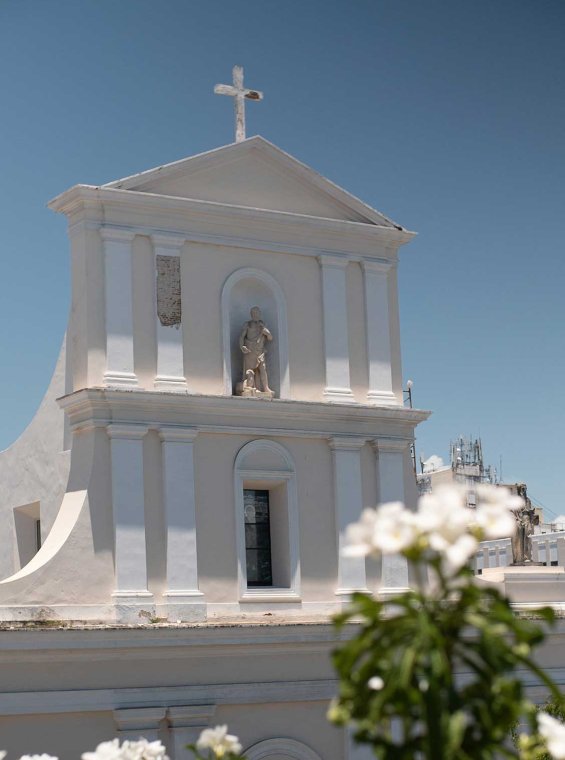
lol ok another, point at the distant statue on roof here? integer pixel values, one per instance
(526, 521)
(252, 343)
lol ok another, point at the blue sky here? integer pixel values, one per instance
(447, 115)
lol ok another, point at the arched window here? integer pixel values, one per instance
(280, 749)
(266, 522)
(244, 289)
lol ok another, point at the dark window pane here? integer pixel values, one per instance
(257, 537)
(259, 567)
(252, 571)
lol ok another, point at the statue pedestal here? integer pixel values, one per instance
(530, 585)
(252, 392)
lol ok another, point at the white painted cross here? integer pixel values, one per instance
(238, 93)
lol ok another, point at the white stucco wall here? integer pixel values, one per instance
(34, 469)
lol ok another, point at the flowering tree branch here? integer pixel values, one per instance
(433, 673)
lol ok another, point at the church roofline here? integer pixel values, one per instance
(268, 149)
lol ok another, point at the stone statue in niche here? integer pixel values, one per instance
(252, 342)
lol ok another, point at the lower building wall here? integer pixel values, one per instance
(65, 736)
(65, 691)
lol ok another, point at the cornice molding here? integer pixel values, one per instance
(227, 414)
(131, 432)
(107, 700)
(89, 197)
(346, 443)
(377, 266)
(138, 718)
(391, 444)
(332, 260)
(172, 242)
(190, 715)
(195, 237)
(181, 434)
(117, 234)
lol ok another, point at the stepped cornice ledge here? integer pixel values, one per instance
(105, 205)
(99, 407)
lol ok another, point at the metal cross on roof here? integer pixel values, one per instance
(238, 93)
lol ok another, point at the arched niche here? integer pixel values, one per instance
(243, 289)
(281, 749)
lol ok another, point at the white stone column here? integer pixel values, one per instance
(375, 275)
(184, 600)
(186, 723)
(170, 355)
(128, 502)
(390, 468)
(119, 315)
(135, 723)
(336, 338)
(346, 452)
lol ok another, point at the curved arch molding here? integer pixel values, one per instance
(279, 749)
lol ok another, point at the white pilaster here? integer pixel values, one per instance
(336, 338)
(184, 600)
(346, 452)
(186, 724)
(375, 275)
(354, 751)
(390, 468)
(119, 315)
(170, 361)
(139, 722)
(128, 501)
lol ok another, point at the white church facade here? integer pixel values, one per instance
(215, 456)
(166, 266)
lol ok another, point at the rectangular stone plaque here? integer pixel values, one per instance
(168, 290)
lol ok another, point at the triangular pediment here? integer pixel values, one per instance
(254, 174)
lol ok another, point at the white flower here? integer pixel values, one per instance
(456, 555)
(104, 751)
(376, 683)
(3, 754)
(359, 535)
(499, 496)
(386, 530)
(143, 750)
(219, 741)
(38, 757)
(495, 521)
(130, 750)
(495, 511)
(153, 750)
(443, 516)
(553, 731)
(394, 529)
